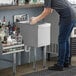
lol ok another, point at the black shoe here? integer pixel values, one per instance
(56, 68)
(66, 65)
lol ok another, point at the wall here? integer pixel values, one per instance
(52, 18)
(9, 16)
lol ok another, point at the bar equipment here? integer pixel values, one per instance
(35, 36)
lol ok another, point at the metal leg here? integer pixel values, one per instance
(44, 58)
(14, 64)
(19, 58)
(34, 63)
(70, 56)
(29, 57)
(48, 54)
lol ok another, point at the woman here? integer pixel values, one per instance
(66, 24)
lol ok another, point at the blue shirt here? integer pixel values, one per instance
(63, 7)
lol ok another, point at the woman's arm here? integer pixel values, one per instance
(46, 12)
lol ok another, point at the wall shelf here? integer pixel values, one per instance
(12, 7)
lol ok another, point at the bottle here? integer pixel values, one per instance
(9, 40)
(41, 1)
(0, 24)
(4, 20)
(10, 28)
(15, 2)
(7, 31)
(5, 39)
(26, 1)
(14, 27)
(34, 1)
(19, 39)
(2, 34)
(21, 2)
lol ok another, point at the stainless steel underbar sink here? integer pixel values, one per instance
(37, 35)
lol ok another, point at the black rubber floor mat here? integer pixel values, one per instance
(67, 72)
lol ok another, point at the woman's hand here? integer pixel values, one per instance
(33, 20)
(36, 19)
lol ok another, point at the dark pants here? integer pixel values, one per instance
(65, 28)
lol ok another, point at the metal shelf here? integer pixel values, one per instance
(20, 49)
(12, 7)
(11, 47)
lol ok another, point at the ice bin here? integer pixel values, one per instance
(35, 35)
